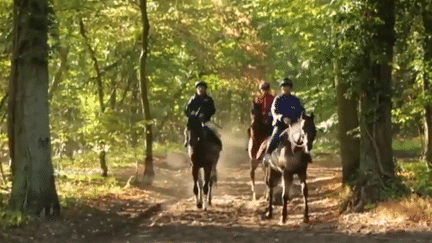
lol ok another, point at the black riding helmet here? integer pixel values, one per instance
(200, 82)
(286, 82)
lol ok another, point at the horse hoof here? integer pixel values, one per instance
(282, 222)
(306, 220)
(199, 205)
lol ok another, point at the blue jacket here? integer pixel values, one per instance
(286, 106)
(205, 105)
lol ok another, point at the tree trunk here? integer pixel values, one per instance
(95, 65)
(148, 163)
(33, 186)
(348, 121)
(427, 123)
(102, 154)
(376, 156)
(427, 89)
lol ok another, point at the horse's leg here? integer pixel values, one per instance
(304, 188)
(287, 179)
(271, 182)
(212, 180)
(270, 202)
(254, 165)
(210, 193)
(207, 184)
(195, 175)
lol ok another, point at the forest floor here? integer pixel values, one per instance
(166, 211)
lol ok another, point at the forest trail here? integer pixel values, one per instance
(166, 211)
(234, 217)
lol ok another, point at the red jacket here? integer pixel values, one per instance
(265, 103)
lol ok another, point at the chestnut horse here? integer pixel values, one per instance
(258, 133)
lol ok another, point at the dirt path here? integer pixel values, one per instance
(234, 217)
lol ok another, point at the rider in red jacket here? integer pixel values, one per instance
(263, 102)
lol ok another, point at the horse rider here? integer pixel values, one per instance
(201, 102)
(286, 108)
(263, 102)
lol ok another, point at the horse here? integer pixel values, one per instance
(204, 149)
(258, 133)
(291, 158)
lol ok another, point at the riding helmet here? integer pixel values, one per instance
(286, 82)
(264, 85)
(200, 82)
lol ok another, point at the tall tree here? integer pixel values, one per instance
(376, 158)
(148, 162)
(33, 187)
(427, 86)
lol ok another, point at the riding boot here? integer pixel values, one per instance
(274, 142)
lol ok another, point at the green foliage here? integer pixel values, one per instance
(407, 144)
(393, 188)
(9, 218)
(417, 176)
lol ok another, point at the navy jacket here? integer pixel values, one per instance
(286, 106)
(205, 104)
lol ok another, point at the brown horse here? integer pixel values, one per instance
(204, 148)
(258, 133)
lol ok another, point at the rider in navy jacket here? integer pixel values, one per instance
(200, 102)
(286, 108)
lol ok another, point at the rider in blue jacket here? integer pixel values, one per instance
(286, 108)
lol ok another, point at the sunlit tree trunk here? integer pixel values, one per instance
(148, 162)
(99, 83)
(95, 65)
(347, 123)
(33, 186)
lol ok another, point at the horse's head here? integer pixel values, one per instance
(255, 114)
(195, 127)
(301, 134)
